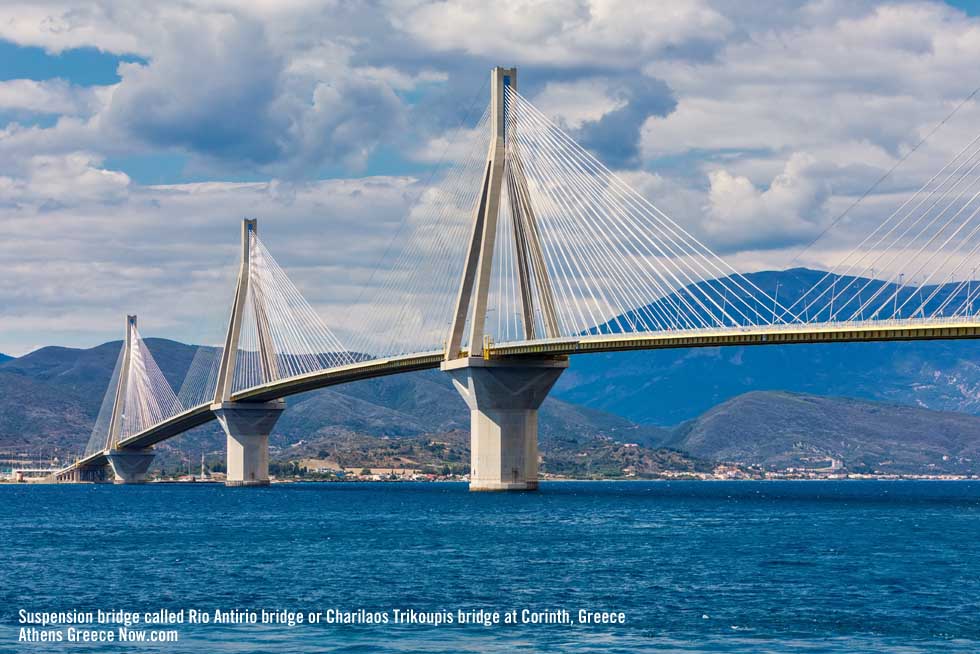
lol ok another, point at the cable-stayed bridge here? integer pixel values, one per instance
(525, 251)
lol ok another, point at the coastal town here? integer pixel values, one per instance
(23, 467)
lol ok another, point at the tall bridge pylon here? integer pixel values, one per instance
(247, 425)
(474, 287)
(503, 396)
(273, 334)
(130, 466)
(139, 396)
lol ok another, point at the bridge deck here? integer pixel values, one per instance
(903, 330)
(898, 330)
(178, 424)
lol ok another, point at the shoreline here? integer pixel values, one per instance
(280, 482)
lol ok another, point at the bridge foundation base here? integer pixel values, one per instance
(247, 427)
(503, 397)
(130, 466)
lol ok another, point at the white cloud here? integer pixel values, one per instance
(69, 179)
(797, 116)
(82, 247)
(574, 103)
(875, 78)
(49, 97)
(58, 26)
(238, 88)
(569, 33)
(741, 216)
(399, 80)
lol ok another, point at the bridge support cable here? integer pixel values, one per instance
(282, 335)
(273, 332)
(530, 256)
(149, 398)
(405, 307)
(504, 272)
(201, 378)
(617, 263)
(917, 263)
(139, 395)
(515, 286)
(99, 440)
(872, 253)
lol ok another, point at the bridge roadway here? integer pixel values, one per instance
(845, 332)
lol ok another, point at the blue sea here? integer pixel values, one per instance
(851, 566)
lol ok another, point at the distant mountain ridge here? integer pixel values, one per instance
(50, 397)
(785, 430)
(709, 402)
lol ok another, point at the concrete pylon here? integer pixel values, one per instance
(130, 466)
(503, 395)
(503, 398)
(247, 425)
(119, 402)
(474, 286)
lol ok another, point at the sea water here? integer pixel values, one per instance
(820, 566)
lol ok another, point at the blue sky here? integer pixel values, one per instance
(134, 136)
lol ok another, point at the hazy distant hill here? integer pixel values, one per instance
(35, 415)
(792, 430)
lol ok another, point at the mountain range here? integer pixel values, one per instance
(893, 407)
(787, 430)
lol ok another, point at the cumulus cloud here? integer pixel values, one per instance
(874, 77)
(49, 97)
(604, 33)
(243, 89)
(244, 105)
(83, 248)
(210, 89)
(855, 86)
(48, 181)
(576, 102)
(615, 136)
(57, 26)
(741, 216)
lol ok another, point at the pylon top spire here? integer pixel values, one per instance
(500, 80)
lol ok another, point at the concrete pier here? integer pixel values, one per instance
(130, 466)
(247, 427)
(504, 397)
(82, 474)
